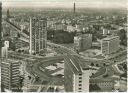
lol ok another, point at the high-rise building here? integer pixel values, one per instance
(38, 35)
(76, 77)
(83, 42)
(81, 80)
(10, 74)
(0, 27)
(110, 45)
(71, 68)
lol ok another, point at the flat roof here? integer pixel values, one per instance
(99, 80)
(110, 38)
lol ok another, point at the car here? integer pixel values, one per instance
(59, 75)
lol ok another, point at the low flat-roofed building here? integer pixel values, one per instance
(103, 85)
(106, 79)
(83, 42)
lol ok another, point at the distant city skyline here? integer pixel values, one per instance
(64, 3)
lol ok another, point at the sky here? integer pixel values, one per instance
(65, 3)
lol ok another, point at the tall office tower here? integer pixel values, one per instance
(38, 35)
(0, 27)
(83, 42)
(74, 10)
(110, 45)
(10, 74)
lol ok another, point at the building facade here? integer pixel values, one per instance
(0, 27)
(5, 49)
(71, 68)
(76, 77)
(10, 74)
(101, 85)
(71, 28)
(79, 82)
(110, 45)
(83, 42)
(38, 35)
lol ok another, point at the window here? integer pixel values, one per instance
(97, 65)
(80, 74)
(80, 84)
(92, 64)
(79, 88)
(80, 81)
(80, 77)
(104, 64)
(92, 73)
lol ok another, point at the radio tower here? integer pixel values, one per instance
(74, 8)
(8, 14)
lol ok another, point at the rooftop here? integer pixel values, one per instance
(100, 72)
(84, 35)
(10, 61)
(106, 73)
(110, 38)
(101, 80)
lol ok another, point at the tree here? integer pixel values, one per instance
(18, 35)
(104, 64)
(94, 87)
(123, 37)
(29, 77)
(106, 75)
(125, 66)
(12, 46)
(21, 81)
(26, 32)
(92, 64)
(97, 65)
(19, 51)
(63, 37)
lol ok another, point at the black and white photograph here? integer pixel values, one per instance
(63, 46)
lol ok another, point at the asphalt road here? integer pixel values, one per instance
(34, 67)
(34, 62)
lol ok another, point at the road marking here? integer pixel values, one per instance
(74, 65)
